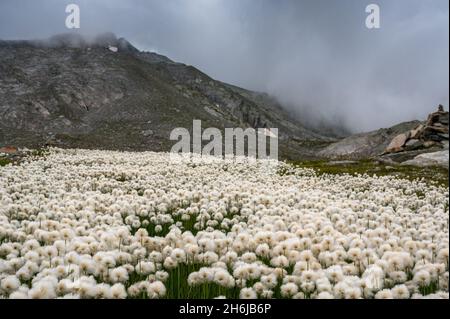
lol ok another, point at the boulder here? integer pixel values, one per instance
(428, 144)
(398, 142)
(400, 157)
(415, 133)
(386, 161)
(442, 118)
(413, 144)
(9, 150)
(439, 128)
(332, 163)
(440, 125)
(440, 158)
(438, 117)
(431, 133)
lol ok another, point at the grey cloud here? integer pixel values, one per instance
(317, 57)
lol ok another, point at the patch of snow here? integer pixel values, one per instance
(268, 132)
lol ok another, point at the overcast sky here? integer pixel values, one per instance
(316, 56)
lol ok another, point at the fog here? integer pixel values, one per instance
(315, 56)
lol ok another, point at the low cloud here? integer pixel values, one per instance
(316, 57)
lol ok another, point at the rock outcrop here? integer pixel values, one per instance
(398, 142)
(8, 150)
(407, 143)
(366, 145)
(434, 132)
(440, 158)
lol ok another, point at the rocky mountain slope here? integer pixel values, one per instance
(71, 92)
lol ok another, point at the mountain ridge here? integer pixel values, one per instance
(104, 93)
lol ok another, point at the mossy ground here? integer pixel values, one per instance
(433, 175)
(38, 153)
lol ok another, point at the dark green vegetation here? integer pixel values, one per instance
(41, 152)
(177, 286)
(18, 157)
(4, 161)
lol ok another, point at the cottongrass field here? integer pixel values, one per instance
(103, 224)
